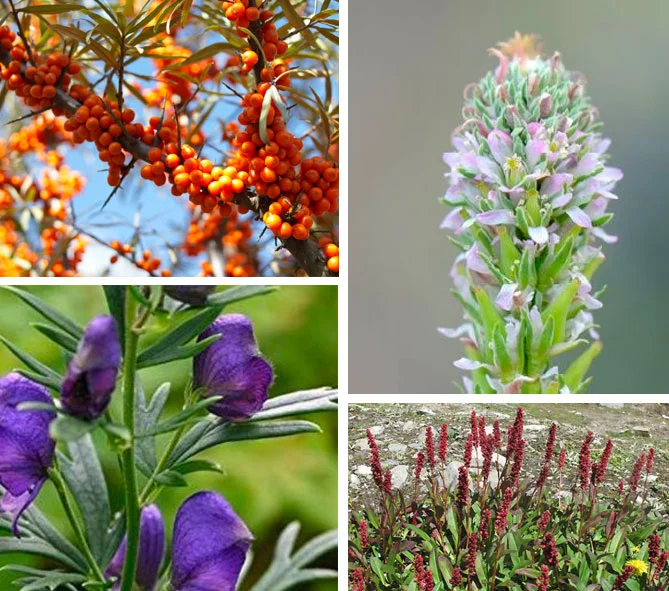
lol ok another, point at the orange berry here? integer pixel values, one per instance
(285, 231)
(333, 264)
(300, 232)
(172, 160)
(155, 154)
(250, 58)
(331, 250)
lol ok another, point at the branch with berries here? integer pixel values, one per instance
(266, 174)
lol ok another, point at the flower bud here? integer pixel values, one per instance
(233, 368)
(26, 450)
(529, 188)
(91, 375)
(151, 550)
(209, 544)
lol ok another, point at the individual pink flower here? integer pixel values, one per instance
(544, 520)
(443, 442)
(374, 460)
(358, 580)
(429, 448)
(474, 429)
(623, 577)
(463, 486)
(650, 459)
(362, 532)
(456, 577)
(503, 511)
(584, 461)
(603, 463)
(549, 548)
(420, 462)
(497, 434)
(484, 524)
(550, 444)
(470, 561)
(635, 477)
(542, 581)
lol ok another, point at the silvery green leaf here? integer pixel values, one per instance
(83, 474)
(212, 432)
(146, 417)
(298, 403)
(33, 364)
(115, 296)
(69, 428)
(286, 570)
(40, 580)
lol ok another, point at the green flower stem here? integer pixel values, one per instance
(61, 488)
(128, 456)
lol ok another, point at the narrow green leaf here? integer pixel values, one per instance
(197, 466)
(58, 336)
(298, 403)
(36, 366)
(182, 418)
(146, 417)
(576, 371)
(115, 296)
(237, 294)
(49, 313)
(559, 309)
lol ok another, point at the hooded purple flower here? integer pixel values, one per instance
(195, 295)
(91, 375)
(209, 544)
(233, 368)
(26, 450)
(151, 550)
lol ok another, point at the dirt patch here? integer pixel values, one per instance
(399, 430)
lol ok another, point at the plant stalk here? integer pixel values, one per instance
(128, 456)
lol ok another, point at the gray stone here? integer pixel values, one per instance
(535, 428)
(364, 471)
(361, 444)
(451, 475)
(354, 482)
(408, 426)
(641, 431)
(613, 405)
(397, 448)
(376, 431)
(425, 411)
(399, 476)
(652, 477)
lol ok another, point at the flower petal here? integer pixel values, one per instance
(579, 217)
(495, 217)
(209, 545)
(151, 550)
(539, 234)
(501, 145)
(232, 368)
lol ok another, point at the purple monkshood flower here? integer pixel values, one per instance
(151, 550)
(209, 544)
(26, 450)
(194, 295)
(233, 368)
(91, 375)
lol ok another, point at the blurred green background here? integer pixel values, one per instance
(270, 483)
(410, 63)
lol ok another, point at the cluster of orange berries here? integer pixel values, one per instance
(243, 15)
(147, 261)
(35, 84)
(331, 252)
(319, 182)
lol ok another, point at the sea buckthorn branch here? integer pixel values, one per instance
(528, 192)
(79, 105)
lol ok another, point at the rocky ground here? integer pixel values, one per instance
(399, 430)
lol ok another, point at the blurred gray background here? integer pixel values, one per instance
(409, 64)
